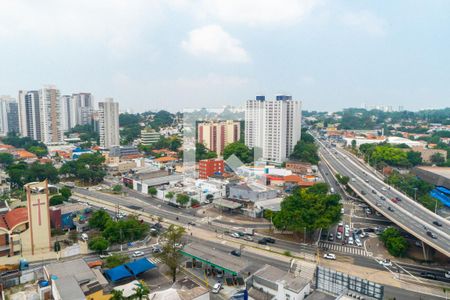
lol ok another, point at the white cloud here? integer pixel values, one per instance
(250, 12)
(213, 42)
(366, 21)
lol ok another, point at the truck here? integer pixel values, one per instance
(22, 265)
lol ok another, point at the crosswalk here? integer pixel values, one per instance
(344, 249)
(154, 260)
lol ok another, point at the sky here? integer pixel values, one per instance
(175, 54)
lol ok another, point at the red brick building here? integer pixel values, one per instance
(209, 167)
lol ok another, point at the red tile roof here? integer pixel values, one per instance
(13, 218)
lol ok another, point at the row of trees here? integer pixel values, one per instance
(415, 188)
(379, 155)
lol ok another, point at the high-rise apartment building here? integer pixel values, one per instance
(273, 127)
(30, 114)
(149, 136)
(108, 115)
(76, 109)
(217, 135)
(51, 129)
(9, 115)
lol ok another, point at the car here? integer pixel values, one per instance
(394, 200)
(248, 238)
(363, 193)
(347, 227)
(368, 211)
(390, 209)
(341, 223)
(340, 229)
(329, 256)
(385, 263)
(374, 192)
(216, 288)
(138, 253)
(437, 223)
(363, 235)
(156, 248)
(262, 241)
(84, 237)
(235, 235)
(105, 255)
(353, 179)
(338, 235)
(270, 240)
(191, 223)
(382, 198)
(342, 210)
(378, 204)
(428, 275)
(447, 274)
(240, 233)
(347, 233)
(350, 240)
(330, 237)
(431, 234)
(178, 245)
(367, 180)
(358, 242)
(384, 189)
(157, 226)
(236, 253)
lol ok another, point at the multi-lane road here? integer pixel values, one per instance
(406, 213)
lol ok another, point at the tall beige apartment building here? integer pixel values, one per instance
(216, 135)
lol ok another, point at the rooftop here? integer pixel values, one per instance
(273, 274)
(13, 218)
(77, 268)
(441, 171)
(163, 180)
(218, 259)
(68, 288)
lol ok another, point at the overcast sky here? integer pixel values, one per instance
(171, 54)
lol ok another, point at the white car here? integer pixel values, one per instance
(248, 238)
(347, 226)
(384, 189)
(329, 256)
(350, 241)
(385, 263)
(138, 253)
(347, 232)
(358, 242)
(106, 255)
(338, 235)
(342, 210)
(447, 274)
(216, 288)
(235, 235)
(84, 237)
(178, 245)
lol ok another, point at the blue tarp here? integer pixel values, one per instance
(118, 273)
(444, 199)
(140, 266)
(443, 190)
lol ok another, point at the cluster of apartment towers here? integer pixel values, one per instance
(44, 115)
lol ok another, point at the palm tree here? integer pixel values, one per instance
(117, 295)
(141, 291)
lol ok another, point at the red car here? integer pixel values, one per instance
(340, 229)
(394, 200)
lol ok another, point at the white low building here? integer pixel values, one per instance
(272, 283)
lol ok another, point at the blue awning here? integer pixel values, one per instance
(140, 266)
(118, 273)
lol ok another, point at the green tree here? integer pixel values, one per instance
(117, 295)
(170, 255)
(353, 144)
(38, 150)
(6, 159)
(125, 230)
(98, 244)
(194, 202)
(170, 195)
(56, 200)
(65, 192)
(201, 152)
(414, 158)
(116, 259)
(437, 158)
(99, 219)
(88, 168)
(342, 179)
(152, 191)
(305, 152)
(394, 242)
(308, 209)
(240, 150)
(117, 188)
(182, 199)
(141, 290)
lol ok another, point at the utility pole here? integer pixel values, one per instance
(121, 242)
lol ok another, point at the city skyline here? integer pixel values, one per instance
(333, 54)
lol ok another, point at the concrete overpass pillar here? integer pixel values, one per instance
(427, 251)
